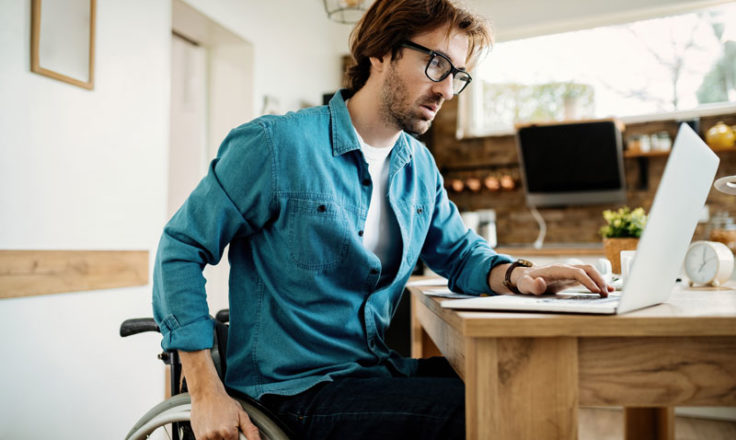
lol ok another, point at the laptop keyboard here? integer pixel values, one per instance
(581, 299)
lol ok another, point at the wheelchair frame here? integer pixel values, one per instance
(176, 410)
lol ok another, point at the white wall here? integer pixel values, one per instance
(293, 47)
(87, 170)
(81, 169)
(74, 162)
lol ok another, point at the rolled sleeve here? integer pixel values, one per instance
(454, 251)
(474, 279)
(193, 336)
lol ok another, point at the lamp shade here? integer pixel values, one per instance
(345, 11)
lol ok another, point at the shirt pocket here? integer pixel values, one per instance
(318, 235)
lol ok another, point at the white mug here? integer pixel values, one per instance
(471, 220)
(604, 267)
(627, 258)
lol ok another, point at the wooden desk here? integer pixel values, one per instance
(526, 373)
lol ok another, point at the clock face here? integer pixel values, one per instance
(701, 263)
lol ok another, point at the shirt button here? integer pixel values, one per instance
(321, 208)
(374, 271)
(366, 182)
(360, 233)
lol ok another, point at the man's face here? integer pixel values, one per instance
(410, 100)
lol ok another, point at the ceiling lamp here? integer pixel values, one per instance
(345, 11)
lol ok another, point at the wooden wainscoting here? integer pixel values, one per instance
(40, 272)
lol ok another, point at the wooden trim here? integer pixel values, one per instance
(36, 40)
(29, 273)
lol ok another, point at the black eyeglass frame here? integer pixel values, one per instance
(453, 70)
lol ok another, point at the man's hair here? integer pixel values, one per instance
(388, 23)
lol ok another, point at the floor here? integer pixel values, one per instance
(607, 424)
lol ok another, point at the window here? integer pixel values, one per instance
(667, 64)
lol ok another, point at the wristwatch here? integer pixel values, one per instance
(507, 280)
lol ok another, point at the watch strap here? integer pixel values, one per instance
(507, 279)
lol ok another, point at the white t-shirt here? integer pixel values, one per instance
(381, 234)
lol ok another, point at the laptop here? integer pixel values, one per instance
(681, 194)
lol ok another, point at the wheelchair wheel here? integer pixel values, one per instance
(172, 415)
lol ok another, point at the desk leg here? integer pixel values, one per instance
(649, 423)
(521, 388)
(422, 345)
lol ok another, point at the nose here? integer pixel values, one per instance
(445, 88)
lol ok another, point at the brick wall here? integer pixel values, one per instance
(480, 157)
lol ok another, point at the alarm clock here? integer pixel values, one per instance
(708, 263)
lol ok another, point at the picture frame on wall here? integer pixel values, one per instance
(63, 40)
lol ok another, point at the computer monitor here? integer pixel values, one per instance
(572, 163)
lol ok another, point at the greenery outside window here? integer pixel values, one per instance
(670, 64)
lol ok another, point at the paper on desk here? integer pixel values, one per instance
(428, 282)
(446, 293)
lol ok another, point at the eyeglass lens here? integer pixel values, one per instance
(438, 69)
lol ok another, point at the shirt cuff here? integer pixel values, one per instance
(193, 336)
(479, 274)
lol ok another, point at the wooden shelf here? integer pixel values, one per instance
(630, 154)
(594, 250)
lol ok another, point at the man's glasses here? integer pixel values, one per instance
(439, 66)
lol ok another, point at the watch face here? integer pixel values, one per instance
(701, 263)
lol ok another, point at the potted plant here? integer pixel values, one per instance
(621, 233)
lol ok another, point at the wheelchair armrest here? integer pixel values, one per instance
(138, 325)
(223, 316)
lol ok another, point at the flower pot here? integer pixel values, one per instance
(612, 248)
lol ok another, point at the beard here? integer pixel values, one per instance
(398, 111)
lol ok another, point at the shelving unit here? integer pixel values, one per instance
(635, 154)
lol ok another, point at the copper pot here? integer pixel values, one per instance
(473, 184)
(507, 182)
(492, 183)
(456, 185)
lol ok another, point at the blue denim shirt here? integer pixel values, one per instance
(290, 195)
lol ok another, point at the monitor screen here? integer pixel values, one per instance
(572, 163)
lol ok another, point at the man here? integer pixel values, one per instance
(326, 212)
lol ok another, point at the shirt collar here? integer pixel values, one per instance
(342, 131)
(344, 138)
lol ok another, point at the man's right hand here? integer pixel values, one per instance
(220, 417)
(215, 415)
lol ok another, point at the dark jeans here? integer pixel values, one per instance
(429, 405)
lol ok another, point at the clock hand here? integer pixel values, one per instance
(702, 265)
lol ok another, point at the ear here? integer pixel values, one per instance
(377, 64)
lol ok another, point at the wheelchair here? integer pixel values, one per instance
(170, 418)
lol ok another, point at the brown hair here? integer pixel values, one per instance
(390, 22)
